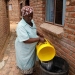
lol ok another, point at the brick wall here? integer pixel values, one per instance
(65, 47)
(21, 4)
(22, 1)
(4, 25)
(14, 14)
(39, 11)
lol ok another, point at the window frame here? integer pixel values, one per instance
(63, 13)
(10, 7)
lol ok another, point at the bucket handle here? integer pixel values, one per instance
(44, 42)
(49, 41)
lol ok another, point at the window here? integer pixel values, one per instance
(10, 6)
(55, 11)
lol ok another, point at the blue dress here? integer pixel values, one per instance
(25, 52)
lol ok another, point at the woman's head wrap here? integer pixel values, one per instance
(26, 10)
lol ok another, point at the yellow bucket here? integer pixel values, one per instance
(45, 51)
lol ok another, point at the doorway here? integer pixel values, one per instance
(27, 3)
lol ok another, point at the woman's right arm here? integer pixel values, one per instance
(32, 40)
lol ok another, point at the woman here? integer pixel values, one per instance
(27, 38)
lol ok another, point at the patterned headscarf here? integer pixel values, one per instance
(26, 10)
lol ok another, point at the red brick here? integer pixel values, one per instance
(72, 26)
(72, 3)
(71, 37)
(66, 40)
(69, 31)
(73, 55)
(72, 14)
(66, 25)
(72, 64)
(72, 20)
(71, 73)
(70, 58)
(67, 20)
(70, 8)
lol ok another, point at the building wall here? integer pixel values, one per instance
(21, 4)
(39, 11)
(4, 25)
(65, 46)
(14, 13)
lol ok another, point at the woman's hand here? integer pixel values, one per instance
(41, 35)
(42, 40)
